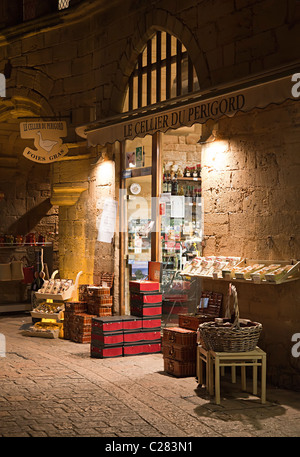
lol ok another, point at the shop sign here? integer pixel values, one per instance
(47, 138)
(208, 105)
(185, 116)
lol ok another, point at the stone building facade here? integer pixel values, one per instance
(74, 64)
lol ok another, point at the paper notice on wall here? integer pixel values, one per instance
(106, 228)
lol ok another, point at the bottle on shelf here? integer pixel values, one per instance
(169, 182)
(165, 184)
(199, 170)
(175, 185)
(180, 190)
(195, 174)
(188, 172)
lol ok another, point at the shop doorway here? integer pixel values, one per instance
(163, 210)
(137, 207)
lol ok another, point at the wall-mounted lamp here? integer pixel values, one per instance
(101, 156)
(210, 136)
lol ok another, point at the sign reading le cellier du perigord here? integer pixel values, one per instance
(47, 140)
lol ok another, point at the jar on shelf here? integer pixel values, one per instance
(187, 172)
(30, 239)
(9, 239)
(199, 170)
(19, 240)
(41, 239)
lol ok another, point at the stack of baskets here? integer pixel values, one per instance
(240, 336)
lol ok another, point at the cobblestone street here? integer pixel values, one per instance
(53, 388)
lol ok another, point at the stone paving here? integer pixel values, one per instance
(53, 388)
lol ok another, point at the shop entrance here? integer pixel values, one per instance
(163, 215)
(138, 217)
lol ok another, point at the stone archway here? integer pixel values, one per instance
(152, 21)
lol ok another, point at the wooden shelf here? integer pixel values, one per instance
(25, 245)
(293, 275)
(183, 178)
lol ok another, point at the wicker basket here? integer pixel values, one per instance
(233, 338)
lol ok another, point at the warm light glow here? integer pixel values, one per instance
(215, 154)
(105, 172)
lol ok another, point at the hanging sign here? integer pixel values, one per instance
(47, 138)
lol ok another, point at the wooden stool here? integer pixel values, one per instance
(204, 358)
(254, 358)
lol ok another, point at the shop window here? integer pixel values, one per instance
(163, 71)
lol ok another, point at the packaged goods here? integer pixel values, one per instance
(280, 273)
(245, 272)
(260, 274)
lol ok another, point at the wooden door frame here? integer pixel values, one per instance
(155, 215)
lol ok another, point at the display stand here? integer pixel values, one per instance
(18, 252)
(69, 295)
(241, 270)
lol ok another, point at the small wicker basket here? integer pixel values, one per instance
(231, 338)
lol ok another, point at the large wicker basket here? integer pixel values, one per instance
(231, 338)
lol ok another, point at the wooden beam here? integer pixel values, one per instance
(158, 67)
(156, 191)
(122, 234)
(149, 62)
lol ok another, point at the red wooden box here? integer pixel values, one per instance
(143, 310)
(130, 323)
(106, 352)
(153, 322)
(141, 348)
(133, 336)
(107, 324)
(143, 286)
(145, 298)
(151, 335)
(107, 339)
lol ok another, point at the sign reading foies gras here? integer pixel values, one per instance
(47, 136)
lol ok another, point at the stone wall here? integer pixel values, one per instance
(251, 209)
